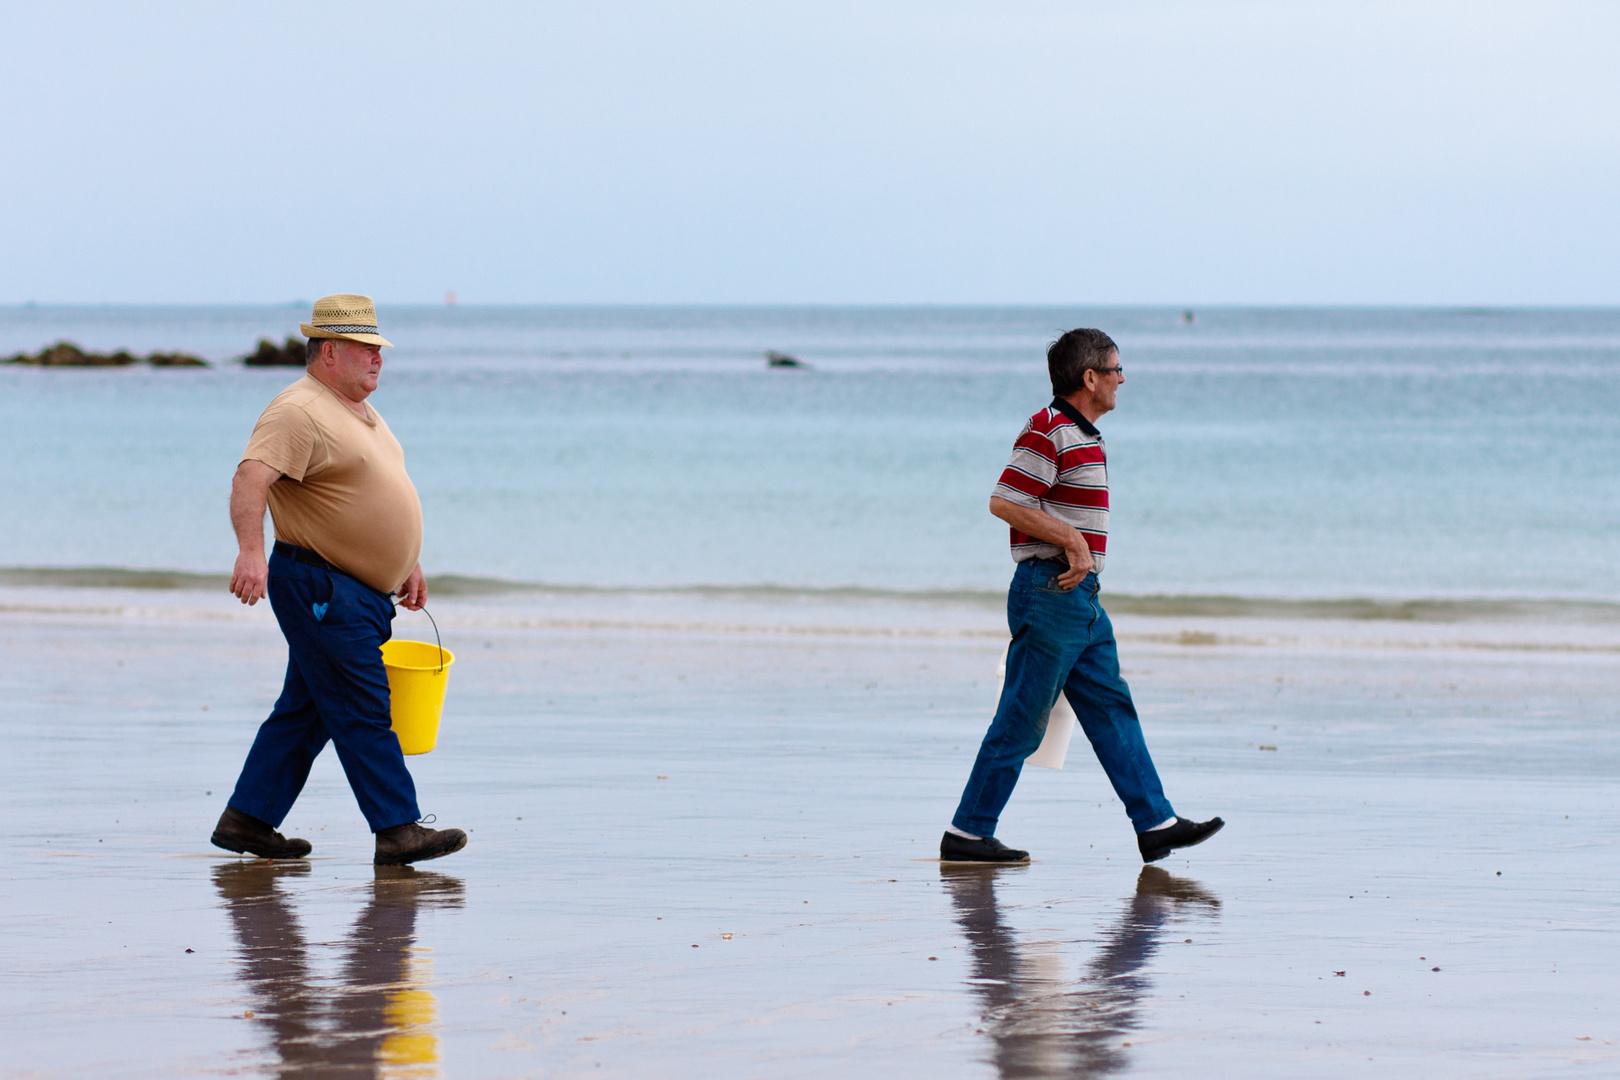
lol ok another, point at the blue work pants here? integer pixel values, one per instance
(337, 690)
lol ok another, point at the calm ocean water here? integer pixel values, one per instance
(1266, 453)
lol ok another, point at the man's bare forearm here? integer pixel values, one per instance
(1043, 526)
(1038, 523)
(250, 493)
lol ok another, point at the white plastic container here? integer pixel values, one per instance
(1060, 725)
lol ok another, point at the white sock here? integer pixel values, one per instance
(1164, 825)
(954, 831)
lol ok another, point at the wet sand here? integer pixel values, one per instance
(701, 843)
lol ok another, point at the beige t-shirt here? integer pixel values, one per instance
(343, 492)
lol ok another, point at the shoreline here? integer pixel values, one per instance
(741, 615)
(1417, 609)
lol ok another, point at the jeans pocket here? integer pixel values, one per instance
(1048, 583)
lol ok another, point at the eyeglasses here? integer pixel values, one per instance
(1117, 369)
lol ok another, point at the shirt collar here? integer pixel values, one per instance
(1074, 414)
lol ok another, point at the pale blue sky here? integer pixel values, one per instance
(870, 152)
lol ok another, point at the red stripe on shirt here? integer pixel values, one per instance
(1070, 495)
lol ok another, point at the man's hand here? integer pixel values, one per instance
(250, 491)
(1080, 562)
(1043, 526)
(413, 594)
(250, 579)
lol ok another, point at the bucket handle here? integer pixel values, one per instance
(437, 640)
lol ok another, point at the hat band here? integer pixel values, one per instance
(349, 328)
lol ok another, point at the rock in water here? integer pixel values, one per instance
(779, 359)
(67, 354)
(268, 355)
(175, 359)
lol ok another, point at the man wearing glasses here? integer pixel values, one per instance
(1054, 496)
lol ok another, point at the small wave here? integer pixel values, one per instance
(1445, 610)
(113, 577)
(109, 577)
(1450, 610)
(1421, 610)
(464, 585)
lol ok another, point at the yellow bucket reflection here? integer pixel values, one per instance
(410, 1050)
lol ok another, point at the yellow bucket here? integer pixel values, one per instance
(418, 672)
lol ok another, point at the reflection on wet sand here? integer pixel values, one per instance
(1043, 1025)
(378, 1018)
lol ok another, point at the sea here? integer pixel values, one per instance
(1264, 454)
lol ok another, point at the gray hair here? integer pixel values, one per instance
(1075, 353)
(312, 350)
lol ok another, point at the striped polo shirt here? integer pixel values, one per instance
(1059, 465)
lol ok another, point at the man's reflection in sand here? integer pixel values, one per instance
(1044, 1025)
(377, 1018)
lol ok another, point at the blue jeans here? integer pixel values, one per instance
(1061, 641)
(336, 690)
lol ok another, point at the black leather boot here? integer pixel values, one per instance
(411, 842)
(241, 832)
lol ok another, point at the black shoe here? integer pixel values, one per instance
(411, 842)
(1158, 843)
(241, 832)
(953, 848)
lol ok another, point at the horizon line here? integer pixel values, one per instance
(1458, 307)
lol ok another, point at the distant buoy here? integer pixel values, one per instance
(1187, 316)
(779, 359)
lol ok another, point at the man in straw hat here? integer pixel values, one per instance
(348, 532)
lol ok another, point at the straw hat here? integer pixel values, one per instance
(345, 315)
